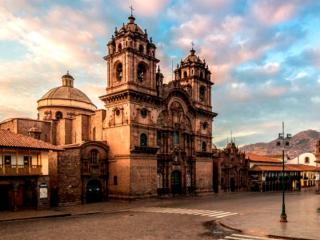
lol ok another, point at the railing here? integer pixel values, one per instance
(94, 169)
(20, 170)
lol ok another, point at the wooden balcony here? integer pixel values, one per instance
(20, 170)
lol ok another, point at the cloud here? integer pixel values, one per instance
(142, 8)
(271, 12)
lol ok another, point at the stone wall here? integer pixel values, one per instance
(69, 176)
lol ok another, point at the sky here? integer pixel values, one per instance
(264, 55)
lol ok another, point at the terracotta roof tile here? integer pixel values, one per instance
(10, 139)
(260, 158)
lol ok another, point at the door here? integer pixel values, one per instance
(4, 197)
(176, 182)
(94, 191)
(232, 184)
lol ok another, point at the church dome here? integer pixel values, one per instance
(192, 58)
(66, 96)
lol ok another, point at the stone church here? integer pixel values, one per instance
(152, 138)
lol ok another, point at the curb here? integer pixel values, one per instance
(229, 227)
(36, 217)
(289, 238)
(63, 215)
(268, 235)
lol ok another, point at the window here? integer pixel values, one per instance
(7, 160)
(202, 93)
(119, 73)
(205, 125)
(158, 138)
(144, 112)
(306, 160)
(185, 75)
(94, 156)
(117, 112)
(27, 161)
(204, 147)
(58, 115)
(143, 140)
(201, 75)
(119, 47)
(176, 139)
(115, 180)
(141, 49)
(141, 72)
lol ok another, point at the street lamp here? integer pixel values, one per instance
(283, 141)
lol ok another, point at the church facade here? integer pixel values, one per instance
(152, 138)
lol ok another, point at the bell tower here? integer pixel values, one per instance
(131, 102)
(195, 76)
(131, 60)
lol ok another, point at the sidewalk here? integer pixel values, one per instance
(303, 219)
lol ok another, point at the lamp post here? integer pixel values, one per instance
(284, 142)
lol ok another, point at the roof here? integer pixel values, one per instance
(66, 92)
(260, 158)
(287, 168)
(192, 57)
(14, 140)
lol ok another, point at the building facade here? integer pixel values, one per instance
(152, 138)
(230, 169)
(24, 171)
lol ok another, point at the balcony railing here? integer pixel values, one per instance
(20, 170)
(94, 169)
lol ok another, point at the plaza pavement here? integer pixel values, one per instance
(257, 213)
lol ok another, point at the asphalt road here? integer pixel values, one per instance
(257, 213)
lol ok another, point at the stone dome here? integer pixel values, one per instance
(66, 96)
(192, 58)
(67, 93)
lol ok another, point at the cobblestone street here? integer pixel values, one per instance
(179, 218)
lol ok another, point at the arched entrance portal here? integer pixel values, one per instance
(94, 191)
(176, 182)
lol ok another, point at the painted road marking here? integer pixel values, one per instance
(196, 212)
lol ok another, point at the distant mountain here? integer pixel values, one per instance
(302, 142)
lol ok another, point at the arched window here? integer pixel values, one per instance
(306, 160)
(141, 72)
(119, 73)
(185, 75)
(204, 147)
(176, 139)
(94, 156)
(143, 140)
(201, 75)
(202, 93)
(141, 48)
(119, 47)
(58, 115)
(144, 112)
(204, 125)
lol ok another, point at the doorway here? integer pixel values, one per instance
(176, 182)
(93, 191)
(4, 197)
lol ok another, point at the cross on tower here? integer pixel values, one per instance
(131, 9)
(192, 45)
